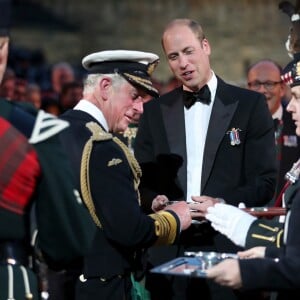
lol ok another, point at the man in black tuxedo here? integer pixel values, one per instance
(264, 77)
(221, 140)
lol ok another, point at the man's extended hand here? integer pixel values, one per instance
(159, 203)
(200, 205)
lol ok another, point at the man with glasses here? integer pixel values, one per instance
(264, 77)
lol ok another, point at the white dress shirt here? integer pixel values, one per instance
(278, 113)
(196, 125)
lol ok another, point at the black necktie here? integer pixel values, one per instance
(278, 126)
(276, 122)
(203, 95)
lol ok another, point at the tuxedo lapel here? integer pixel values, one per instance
(221, 116)
(173, 116)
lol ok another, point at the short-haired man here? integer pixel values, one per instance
(220, 132)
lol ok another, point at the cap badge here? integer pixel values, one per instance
(152, 66)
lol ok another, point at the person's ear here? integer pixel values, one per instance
(206, 46)
(4, 41)
(104, 87)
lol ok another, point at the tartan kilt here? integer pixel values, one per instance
(17, 282)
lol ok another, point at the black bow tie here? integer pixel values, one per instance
(203, 95)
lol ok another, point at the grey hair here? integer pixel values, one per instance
(92, 80)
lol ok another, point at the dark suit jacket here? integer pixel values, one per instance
(290, 149)
(282, 274)
(242, 173)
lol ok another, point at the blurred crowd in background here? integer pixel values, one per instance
(54, 88)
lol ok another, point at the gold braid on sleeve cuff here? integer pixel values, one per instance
(166, 227)
(264, 233)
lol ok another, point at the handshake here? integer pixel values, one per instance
(227, 219)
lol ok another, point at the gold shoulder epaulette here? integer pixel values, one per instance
(98, 134)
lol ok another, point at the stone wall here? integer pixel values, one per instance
(239, 31)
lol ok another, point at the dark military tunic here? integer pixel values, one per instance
(35, 169)
(280, 270)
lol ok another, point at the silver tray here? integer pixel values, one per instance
(211, 257)
(181, 266)
(194, 264)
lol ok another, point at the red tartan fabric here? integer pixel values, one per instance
(19, 169)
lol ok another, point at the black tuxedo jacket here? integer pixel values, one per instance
(241, 173)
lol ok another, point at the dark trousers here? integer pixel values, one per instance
(61, 285)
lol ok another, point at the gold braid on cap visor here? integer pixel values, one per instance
(152, 66)
(146, 83)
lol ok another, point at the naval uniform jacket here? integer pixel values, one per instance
(279, 271)
(241, 173)
(125, 228)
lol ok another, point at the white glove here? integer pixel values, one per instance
(230, 221)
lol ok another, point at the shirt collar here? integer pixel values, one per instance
(278, 113)
(212, 84)
(93, 110)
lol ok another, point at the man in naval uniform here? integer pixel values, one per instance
(108, 175)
